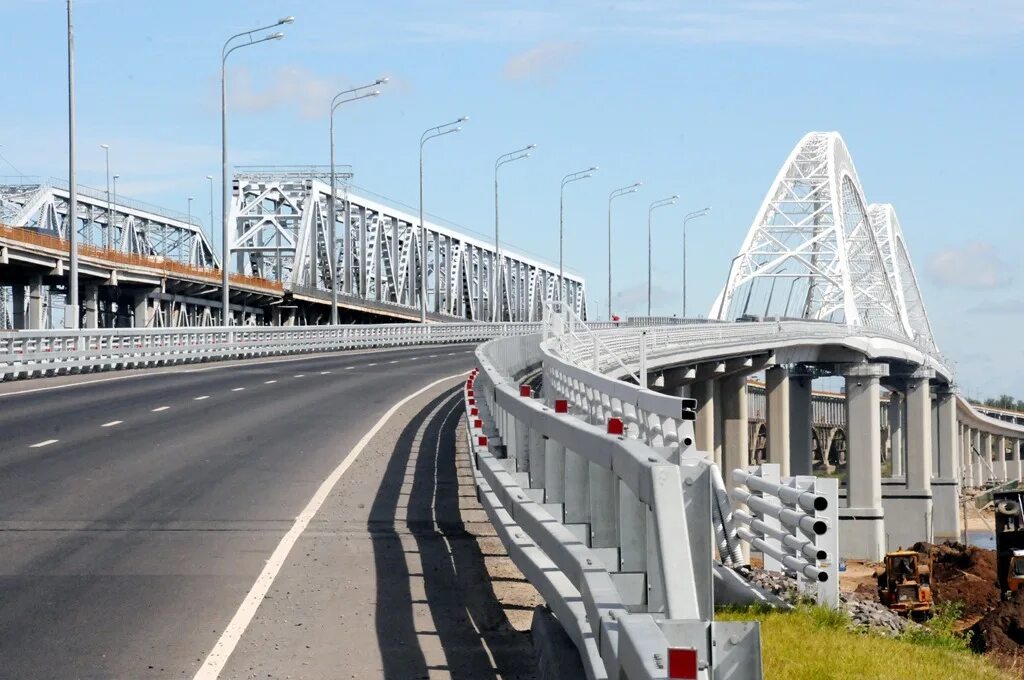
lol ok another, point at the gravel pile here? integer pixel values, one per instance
(863, 613)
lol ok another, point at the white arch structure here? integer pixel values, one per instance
(818, 251)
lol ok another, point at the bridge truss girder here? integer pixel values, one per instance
(282, 232)
(126, 227)
(813, 233)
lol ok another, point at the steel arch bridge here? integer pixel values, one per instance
(837, 257)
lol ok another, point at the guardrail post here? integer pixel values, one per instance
(604, 504)
(642, 374)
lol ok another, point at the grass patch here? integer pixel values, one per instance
(813, 643)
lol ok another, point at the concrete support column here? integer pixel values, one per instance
(966, 457)
(910, 507)
(801, 458)
(946, 475)
(143, 311)
(92, 306)
(734, 419)
(34, 320)
(988, 467)
(777, 400)
(862, 524)
(704, 427)
(1000, 464)
(18, 306)
(977, 454)
(895, 413)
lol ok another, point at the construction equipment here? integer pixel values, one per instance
(904, 583)
(1009, 541)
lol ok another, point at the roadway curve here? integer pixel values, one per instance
(129, 542)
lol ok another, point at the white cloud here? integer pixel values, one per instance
(542, 62)
(975, 265)
(286, 86)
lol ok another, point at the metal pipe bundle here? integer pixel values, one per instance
(811, 526)
(795, 497)
(803, 568)
(800, 545)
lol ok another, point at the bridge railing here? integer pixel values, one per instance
(793, 522)
(34, 353)
(615, 534)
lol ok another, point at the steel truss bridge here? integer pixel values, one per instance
(144, 266)
(613, 461)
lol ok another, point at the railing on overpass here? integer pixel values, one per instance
(615, 534)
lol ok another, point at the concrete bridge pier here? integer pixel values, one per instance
(18, 306)
(777, 401)
(895, 408)
(34, 320)
(704, 427)
(977, 453)
(734, 420)
(909, 508)
(801, 455)
(946, 476)
(1018, 465)
(91, 301)
(987, 456)
(1000, 466)
(862, 522)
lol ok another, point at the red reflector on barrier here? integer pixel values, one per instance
(682, 664)
(482, 441)
(478, 423)
(525, 391)
(561, 406)
(615, 426)
(472, 401)
(474, 411)
(470, 392)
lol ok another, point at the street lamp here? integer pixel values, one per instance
(110, 207)
(568, 179)
(339, 99)
(655, 205)
(114, 233)
(71, 308)
(224, 53)
(431, 133)
(696, 213)
(516, 155)
(611, 197)
(190, 199)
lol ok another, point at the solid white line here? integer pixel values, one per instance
(160, 408)
(112, 423)
(269, 382)
(221, 651)
(205, 396)
(44, 443)
(237, 389)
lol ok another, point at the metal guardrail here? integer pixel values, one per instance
(615, 534)
(794, 523)
(25, 354)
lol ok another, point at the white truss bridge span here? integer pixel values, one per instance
(281, 231)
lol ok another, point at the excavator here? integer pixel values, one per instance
(1009, 541)
(904, 584)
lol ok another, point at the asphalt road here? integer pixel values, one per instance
(136, 513)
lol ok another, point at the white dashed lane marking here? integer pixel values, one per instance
(160, 408)
(237, 389)
(349, 368)
(205, 396)
(324, 372)
(269, 382)
(373, 364)
(112, 423)
(299, 375)
(44, 443)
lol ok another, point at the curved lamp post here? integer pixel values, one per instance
(341, 98)
(517, 155)
(689, 216)
(611, 197)
(568, 179)
(430, 133)
(654, 206)
(226, 247)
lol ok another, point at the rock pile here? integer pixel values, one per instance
(864, 612)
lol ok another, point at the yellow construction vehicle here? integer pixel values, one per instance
(904, 584)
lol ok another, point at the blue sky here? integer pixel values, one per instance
(700, 99)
